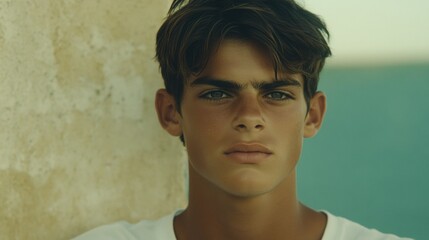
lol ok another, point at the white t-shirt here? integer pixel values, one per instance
(337, 228)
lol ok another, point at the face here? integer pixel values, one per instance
(242, 128)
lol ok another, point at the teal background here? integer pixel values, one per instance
(370, 161)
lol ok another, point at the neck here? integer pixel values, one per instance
(215, 214)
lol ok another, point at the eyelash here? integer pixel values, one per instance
(206, 95)
(285, 96)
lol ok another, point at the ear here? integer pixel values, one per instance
(315, 115)
(168, 116)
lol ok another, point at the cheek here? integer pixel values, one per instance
(203, 123)
(288, 129)
(203, 130)
(289, 120)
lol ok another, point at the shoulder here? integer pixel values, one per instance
(161, 229)
(340, 228)
(117, 231)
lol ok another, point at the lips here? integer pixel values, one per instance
(248, 152)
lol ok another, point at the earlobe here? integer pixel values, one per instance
(168, 115)
(315, 115)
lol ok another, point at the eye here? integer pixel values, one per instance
(215, 95)
(278, 96)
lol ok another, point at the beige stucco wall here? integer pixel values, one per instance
(80, 144)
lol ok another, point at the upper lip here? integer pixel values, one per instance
(248, 148)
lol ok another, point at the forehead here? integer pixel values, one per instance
(243, 62)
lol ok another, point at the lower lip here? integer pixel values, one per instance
(248, 157)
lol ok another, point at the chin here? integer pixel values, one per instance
(247, 193)
(248, 185)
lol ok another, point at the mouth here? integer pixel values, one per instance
(249, 153)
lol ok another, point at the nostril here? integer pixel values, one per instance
(245, 127)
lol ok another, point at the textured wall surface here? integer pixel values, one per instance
(80, 144)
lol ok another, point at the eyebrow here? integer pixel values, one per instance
(234, 86)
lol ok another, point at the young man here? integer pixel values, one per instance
(241, 93)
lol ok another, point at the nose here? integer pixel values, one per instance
(248, 115)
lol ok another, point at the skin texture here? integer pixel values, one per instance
(237, 195)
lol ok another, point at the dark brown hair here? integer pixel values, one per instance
(295, 38)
